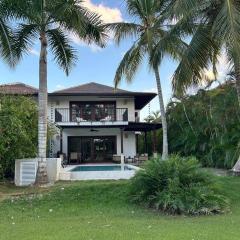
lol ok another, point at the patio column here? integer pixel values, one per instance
(136, 143)
(145, 141)
(61, 141)
(121, 140)
(122, 156)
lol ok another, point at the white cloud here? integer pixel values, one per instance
(223, 66)
(33, 51)
(108, 15)
(94, 48)
(153, 90)
(60, 87)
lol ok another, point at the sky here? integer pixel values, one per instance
(94, 64)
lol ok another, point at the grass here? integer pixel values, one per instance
(100, 210)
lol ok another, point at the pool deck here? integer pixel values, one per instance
(67, 174)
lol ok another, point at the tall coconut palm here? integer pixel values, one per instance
(215, 26)
(148, 29)
(50, 22)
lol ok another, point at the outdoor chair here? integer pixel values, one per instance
(139, 159)
(116, 158)
(63, 160)
(75, 157)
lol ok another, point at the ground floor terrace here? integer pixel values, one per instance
(99, 144)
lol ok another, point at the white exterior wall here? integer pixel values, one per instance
(63, 102)
(129, 140)
(130, 105)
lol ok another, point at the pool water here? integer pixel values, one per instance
(101, 168)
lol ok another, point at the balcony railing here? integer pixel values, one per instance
(103, 115)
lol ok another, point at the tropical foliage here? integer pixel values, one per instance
(18, 132)
(214, 27)
(177, 186)
(205, 125)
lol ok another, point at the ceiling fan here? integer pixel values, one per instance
(94, 130)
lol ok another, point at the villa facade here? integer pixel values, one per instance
(94, 123)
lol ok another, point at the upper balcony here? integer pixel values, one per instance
(85, 115)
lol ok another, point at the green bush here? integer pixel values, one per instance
(177, 186)
(18, 131)
(205, 125)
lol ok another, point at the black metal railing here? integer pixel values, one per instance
(99, 115)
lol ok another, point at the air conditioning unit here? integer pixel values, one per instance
(25, 172)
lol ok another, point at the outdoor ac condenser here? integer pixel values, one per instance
(25, 172)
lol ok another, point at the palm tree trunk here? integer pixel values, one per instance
(163, 115)
(237, 76)
(41, 177)
(154, 141)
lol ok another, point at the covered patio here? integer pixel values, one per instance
(104, 144)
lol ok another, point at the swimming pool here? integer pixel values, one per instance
(98, 172)
(102, 168)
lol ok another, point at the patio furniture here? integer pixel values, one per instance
(75, 157)
(106, 119)
(129, 160)
(79, 119)
(139, 159)
(116, 158)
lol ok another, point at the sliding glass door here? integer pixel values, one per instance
(91, 149)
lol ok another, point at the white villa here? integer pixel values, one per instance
(95, 123)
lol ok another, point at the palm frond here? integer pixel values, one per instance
(170, 44)
(64, 54)
(124, 30)
(24, 37)
(6, 44)
(196, 59)
(75, 18)
(28, 11)
(227, 23)
(129, 64)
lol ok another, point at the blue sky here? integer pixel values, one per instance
(94, 64)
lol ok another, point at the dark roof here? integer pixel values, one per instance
(96, 89)
(18, 88)
(90, 88)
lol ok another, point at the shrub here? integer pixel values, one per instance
(177, 186)
(18, 131)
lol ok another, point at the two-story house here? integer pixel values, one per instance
(94, 122)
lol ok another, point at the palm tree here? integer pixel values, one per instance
(50, 22)
(214, 26)
(149, 29)
(154, 117)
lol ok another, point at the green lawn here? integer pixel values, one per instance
(101, 211)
